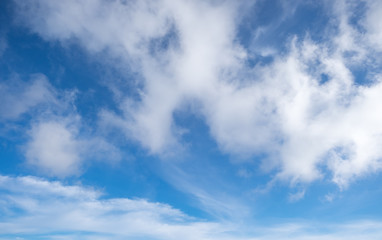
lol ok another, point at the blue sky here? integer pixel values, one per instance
(190, 119)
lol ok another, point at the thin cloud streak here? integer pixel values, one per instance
(34, 208)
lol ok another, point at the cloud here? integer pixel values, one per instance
(169, 74)
(211, 192)
(57, 148)
(36, 208)
(297, 196)
(54, 148)
(31, 206)
(370, 22)
(3, 45)
(305, 110)
(57, 142)
(19, 97)
(97, 24)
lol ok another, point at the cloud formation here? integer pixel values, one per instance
(19, 97)
(54, 149)
(57, 143)
(305, 110)
(36, 207)
(32, 207)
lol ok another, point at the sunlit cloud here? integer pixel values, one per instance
(203, 119)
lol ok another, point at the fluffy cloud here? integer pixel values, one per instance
(169, 74)
(305, 110)
(57, 148)
(53, 147)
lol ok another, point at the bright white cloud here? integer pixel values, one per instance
(98, 25)
(32, 207)
(282, 109)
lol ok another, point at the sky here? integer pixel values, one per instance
(191, 119)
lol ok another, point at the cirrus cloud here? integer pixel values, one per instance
(37, 208)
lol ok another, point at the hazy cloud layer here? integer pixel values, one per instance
(36, 208)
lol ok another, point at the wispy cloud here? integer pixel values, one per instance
(36, 208)
(20, 97)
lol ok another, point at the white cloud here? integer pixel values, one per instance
(54, 148)
(32, 207)
(282, 109)
(170, 78)
(123, 25)
(18, 97)
(57, 148)
(371, 23)
(211, 193)
(297, 196)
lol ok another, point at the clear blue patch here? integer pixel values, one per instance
(323, 78)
